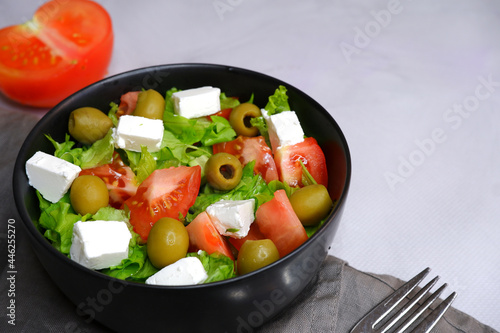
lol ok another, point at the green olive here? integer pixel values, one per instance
(240, 119)
(255, 254)
(150, 104)
(311, 203)
(87, 125)
(168, 241)
(223, 171)
(88, 193)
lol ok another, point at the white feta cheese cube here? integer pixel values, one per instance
(100, 244)
(197, 102)
(284, 129)
(185, 271)
(50, 175)
(132, 132)
(232, 217)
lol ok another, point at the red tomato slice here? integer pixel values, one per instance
(119, 179)
(248, 149)
(65, 47)
(165, 193)
(310, 153)
(253, 234)
(204, 236)
(128, 103)
(278, 222)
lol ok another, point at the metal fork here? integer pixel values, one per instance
(374, 322)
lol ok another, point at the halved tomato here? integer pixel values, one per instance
(65, 47)
(278, 222)
(204, 236)
(309, 152)
(248, 149)
(165, 193)
(119, 178)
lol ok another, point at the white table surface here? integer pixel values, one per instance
(414, 85)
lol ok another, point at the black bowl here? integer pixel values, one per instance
(242, 303)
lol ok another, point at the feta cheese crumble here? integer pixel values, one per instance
(284, 129)
(232, 217)
(197, 102)
(185, 271)
(132, 132)
(50, 175)
(100, 244)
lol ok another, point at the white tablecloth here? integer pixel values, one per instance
(415, 86)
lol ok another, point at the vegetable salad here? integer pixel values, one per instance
(226, 157)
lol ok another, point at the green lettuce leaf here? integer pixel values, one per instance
(217, 131)
(110, 214)
(56, 221)
(173, 152)
(136, 267)
(250, 186)
(261, 125)
(228, 102)
(112, 113)
(99, 153)
(145, 166)
(191, 131)
(278, 102)
(218, 266)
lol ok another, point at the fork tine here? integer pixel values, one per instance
(432, 319)
(421, 309)
(408, 306)
(387, 305)
(393, 300)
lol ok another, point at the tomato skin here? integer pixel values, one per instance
(119, 179)
(66, 46)
(204, 236)
(278, 222)
(224, 113)
(165, 193)
(253, 234)
(128, 102)
(248, 149)
(310, 153)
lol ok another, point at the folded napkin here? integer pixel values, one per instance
(336, 299)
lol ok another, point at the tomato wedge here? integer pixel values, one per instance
(278, 222)
(248, 149)
(204, 236)
(128, 102)
(253, 234)
(119, 179)
(309, 152)
(65, 47)
(165, 193)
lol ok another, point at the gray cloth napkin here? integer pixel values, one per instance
(339, 296)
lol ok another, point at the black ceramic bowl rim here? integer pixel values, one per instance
(20, 176)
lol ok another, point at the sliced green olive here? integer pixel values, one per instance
(311, 203)
(255, 254)
(223, 171)
(240, 119)
(88, 194)
(150, 104)
(87, 125)
(168, 241)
